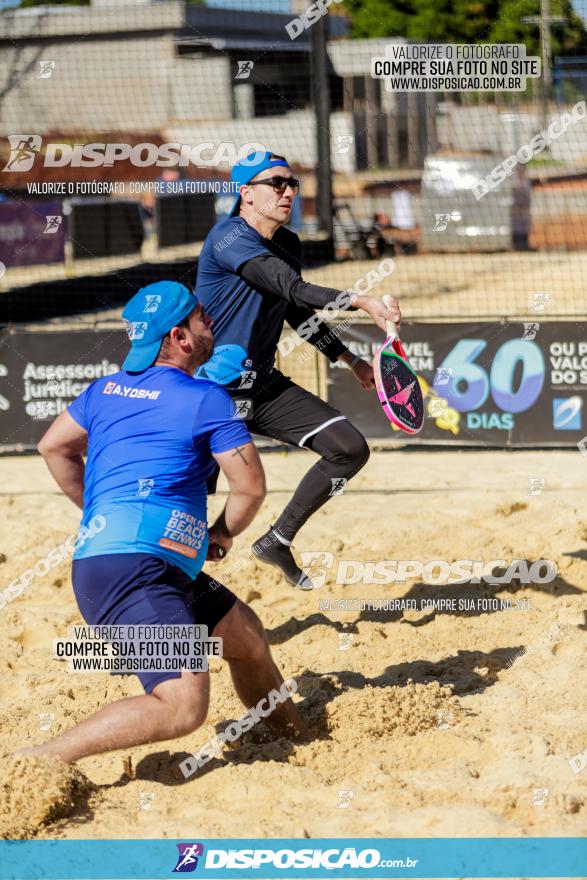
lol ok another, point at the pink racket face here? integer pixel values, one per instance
(398, 390)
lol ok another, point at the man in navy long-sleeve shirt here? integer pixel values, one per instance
(249, 282)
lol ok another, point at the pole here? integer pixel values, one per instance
(544, 22)
(546, 71)
(321, 97)
(546, 53)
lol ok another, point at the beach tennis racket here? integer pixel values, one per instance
(397, 384)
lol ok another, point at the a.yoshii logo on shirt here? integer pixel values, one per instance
(125, 391)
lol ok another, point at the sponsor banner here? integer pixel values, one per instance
(520, 383)
(288, 858)
(31, 234)
(41, 373)
(492, 384)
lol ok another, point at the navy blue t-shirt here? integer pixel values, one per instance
(247, 322)
(151, 436)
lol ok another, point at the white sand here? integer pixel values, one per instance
(429, 720)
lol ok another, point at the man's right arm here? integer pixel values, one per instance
(270, 273)
(62, 447)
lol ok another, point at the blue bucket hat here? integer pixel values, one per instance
(247, 168)
(149, 316)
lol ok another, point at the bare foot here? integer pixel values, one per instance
(305, 736)
(22, 753)
(301, 733)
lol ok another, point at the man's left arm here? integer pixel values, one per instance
(318, 333)
(61, 447)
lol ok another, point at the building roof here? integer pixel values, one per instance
(219, 27)
(262, 30)
(354, 58)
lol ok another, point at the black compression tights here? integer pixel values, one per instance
(344, 451)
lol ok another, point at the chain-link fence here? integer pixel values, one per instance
(119, 125)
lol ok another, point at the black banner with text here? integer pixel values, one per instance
(41, 373)
(486, 383)
(489, 384)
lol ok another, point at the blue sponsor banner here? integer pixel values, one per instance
(289, 858)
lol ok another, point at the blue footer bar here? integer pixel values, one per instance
(294, 858)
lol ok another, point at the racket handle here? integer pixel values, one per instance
(390, 326)
(391, 330)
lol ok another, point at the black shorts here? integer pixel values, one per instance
(136, 588)
(280, 409)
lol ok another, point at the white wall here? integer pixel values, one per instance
(201, 88)
(293, 136)
(483, 128)
(95, 86)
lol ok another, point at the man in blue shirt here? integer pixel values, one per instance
(154, 435)
(249, 282)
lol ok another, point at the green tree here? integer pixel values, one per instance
(378, 18)
(466, 21)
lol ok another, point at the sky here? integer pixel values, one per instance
(284, 5)
(263, 5)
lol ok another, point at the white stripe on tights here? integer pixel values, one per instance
(319, 428)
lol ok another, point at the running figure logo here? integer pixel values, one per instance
(343, 143)
(243, 408)
(23, 150)
(442, 220)
(245, 69)
(316, 565)
(135, 329)
(538, 300)
(247, 379)
(53, 223)
(443, 375)
(338, 484)
(530, 329)
(188, 857)
(152, 302)
(47, 68)
(145, 487)
(437, 407)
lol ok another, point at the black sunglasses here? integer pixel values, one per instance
(279, 184)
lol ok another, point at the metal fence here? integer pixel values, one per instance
(119, 125)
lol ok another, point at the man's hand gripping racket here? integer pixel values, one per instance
(397, 384)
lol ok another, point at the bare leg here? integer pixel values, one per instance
(254, 674)
(175, 708)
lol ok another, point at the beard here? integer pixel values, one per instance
(203, 348)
